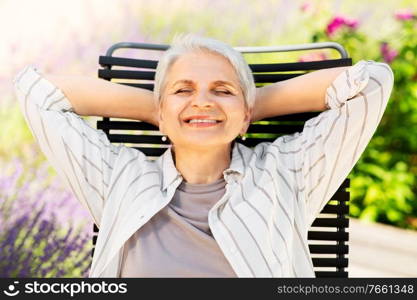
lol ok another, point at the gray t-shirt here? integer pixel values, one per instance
(177, 241)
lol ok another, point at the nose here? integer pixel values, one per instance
(202, 99)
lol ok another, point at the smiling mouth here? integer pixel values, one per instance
(199, 124)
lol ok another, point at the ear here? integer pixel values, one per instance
(160, 120)
(247, 120)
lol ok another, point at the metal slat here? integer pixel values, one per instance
(151, 151)
(110, 61)
(298, 66)
(329, 249)
(341, 195)
(329, 274)
(146, 86)
(335, 209)
(250, 49)
(136, 139)
(126, 125)
(125, 74)
(328, 235)
(331, 222)
(274, 128)
(330, 262)
(294, 117)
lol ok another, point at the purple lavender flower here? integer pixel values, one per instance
(38, 236)
(57, 252)
(40, 189)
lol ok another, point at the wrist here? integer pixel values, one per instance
(257, 107)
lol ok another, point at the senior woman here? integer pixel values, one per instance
(209, 206)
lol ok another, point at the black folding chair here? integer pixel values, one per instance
(328, 234)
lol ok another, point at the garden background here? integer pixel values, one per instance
(45, 232)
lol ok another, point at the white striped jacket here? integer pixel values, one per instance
(273, 192)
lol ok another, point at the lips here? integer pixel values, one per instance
(202, 124)
(201, 117)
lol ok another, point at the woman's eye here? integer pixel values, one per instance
(183, 91)
(224, 92)
(217, 91)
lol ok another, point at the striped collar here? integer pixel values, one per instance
(236, 170)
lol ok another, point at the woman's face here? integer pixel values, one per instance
(202, 84)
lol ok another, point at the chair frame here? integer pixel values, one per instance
(341, 209)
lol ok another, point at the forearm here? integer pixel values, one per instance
(98, 97)
(305, 93)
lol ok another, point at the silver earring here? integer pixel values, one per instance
(164, 138)
(242, 137)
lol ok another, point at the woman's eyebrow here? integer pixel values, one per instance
(217, 82)
(223, 82)
(186, 81)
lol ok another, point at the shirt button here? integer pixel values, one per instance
(141, 216)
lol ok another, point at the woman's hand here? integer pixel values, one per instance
(154, 120)
(97, 97)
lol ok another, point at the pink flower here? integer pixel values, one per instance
(387, 53)
(334, 25)
(352, 23)
(404, 14)
(314, 56)
(338, 21)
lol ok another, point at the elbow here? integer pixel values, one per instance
(384, 71)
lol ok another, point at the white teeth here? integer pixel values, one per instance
(202, 121)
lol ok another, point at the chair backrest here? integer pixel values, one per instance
(328, 236)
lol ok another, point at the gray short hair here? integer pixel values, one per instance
(185, 43)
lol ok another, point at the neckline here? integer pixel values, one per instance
(202, 187)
